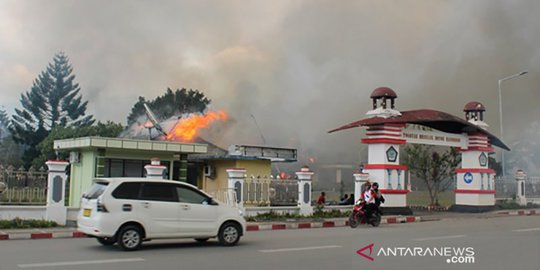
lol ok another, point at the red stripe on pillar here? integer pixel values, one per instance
(386, 166)
(394, 191)
(392, 141)
(474, 191)
(474, 170)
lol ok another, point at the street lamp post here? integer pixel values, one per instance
(500, 112)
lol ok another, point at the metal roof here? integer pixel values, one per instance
(129, 144)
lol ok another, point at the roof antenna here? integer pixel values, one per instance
(154, 121)
(264, 140)
(259, 129)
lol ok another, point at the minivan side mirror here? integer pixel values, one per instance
(211, 201)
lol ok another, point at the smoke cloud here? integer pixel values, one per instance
(300, 68)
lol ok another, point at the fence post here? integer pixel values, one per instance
(56, 209)
(360, 178)
(304, 191)
(236, 178)
(520, 180)
(155, 169)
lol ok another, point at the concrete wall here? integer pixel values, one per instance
(81, 176)
(23, 212)
(255, 167)
(219, 181)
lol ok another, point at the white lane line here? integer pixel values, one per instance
(297, 249)
(439, 237)
(52, 264)
(527, 230)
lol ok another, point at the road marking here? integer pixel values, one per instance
(527, 230)
(52, 264)
(439, 237)
(297, 249)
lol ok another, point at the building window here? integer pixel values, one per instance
(129, 168)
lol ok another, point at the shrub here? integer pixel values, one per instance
(18, 223)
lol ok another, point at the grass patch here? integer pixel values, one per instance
(18, 223)
(511, 204)
(317, 214)
(421, 197)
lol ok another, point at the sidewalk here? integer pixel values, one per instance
(420, 216)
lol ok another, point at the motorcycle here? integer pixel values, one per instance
(358, 216)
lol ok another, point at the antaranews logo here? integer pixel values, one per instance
(460, 255)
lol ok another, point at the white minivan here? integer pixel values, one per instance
(129, 211)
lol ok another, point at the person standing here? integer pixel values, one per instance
(322, 199)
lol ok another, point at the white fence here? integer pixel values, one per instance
(22, 186)
(506, 187)
(269, 191)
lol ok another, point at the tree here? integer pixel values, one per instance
(434, 169)
(170, 104)
(11, 152)
(495, 165)
(53, 100)
(4, 123)
(46, 149)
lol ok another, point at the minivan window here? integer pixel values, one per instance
(188, 195)
(159, 192)
(96, 190)
(127, 190)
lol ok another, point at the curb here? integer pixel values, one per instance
(323, 224)
(500, 213)
(40, 235)
(519, 212)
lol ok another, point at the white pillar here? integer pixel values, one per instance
(155, 169)
(520, 181)
(56, 192)
(235, 182)
(360, 178)
(305, 176)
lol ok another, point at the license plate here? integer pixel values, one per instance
(86, 212)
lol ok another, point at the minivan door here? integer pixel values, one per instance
(159, 209)
(197, 214)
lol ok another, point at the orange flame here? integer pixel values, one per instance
(187, 128)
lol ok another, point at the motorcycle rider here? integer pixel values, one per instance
(378, 197)
(368, 197)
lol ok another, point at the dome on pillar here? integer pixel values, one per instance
(383, 92)
(474, 106)
(474, 113)
(384, 103)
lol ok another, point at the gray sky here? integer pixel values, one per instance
(301, 67)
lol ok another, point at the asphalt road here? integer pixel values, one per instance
(497, 243)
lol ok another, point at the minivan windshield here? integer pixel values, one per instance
(97, 189)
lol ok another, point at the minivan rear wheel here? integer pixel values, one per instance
(106, 241)
(130, 238)
(229, 234)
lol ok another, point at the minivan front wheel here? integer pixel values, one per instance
(229, 234)
(130, 238)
